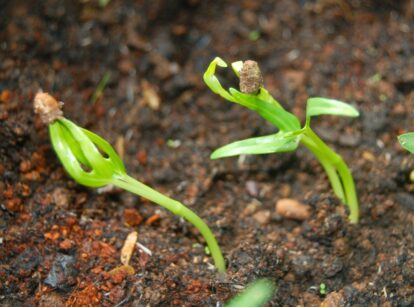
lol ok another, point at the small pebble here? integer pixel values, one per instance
(292, 209)
(251, 188)
(350, 140)
(251, 208)
(331, 267)
(61, 197)
(285, 190)
(302, 265)
(63, 273)
(368, 156)
(406, 201)
(408, 271)
(262, 217)
(333, 299)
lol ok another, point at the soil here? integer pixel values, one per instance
(60, 242)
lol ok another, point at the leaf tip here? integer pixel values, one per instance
(220, 62)
(215, 155)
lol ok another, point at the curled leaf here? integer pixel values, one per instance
(213, 83)
(262, 102)
(88, 158)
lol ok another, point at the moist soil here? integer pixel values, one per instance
(60, 242)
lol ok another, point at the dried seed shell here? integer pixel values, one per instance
(47, 107)
(250, 77)
(128, 247)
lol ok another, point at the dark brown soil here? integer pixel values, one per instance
(59, 241)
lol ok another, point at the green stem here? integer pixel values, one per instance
(350, 192)
(130, 184)
(329, 169)
(334, 165)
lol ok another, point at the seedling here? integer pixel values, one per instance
(322, 289)
(91, 161)
(407, 141)
(257, 294)
(101, 87)
(290, 134)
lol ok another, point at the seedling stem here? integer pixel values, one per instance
(134, 186)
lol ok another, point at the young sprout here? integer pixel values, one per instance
(290, 132)
(407, 142)
(257, 294)
(91, 161)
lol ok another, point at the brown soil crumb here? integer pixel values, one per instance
(47, 107)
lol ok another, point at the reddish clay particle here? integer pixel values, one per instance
(152, 219)
(88, 296)
(142, 157)
(132, 217)
(5, 96)
(66, 244)
(25, 166)
(14, 204)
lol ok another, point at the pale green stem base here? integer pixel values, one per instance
(130, 184)
(338, 172)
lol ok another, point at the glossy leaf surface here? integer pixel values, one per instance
(407, 141)
(279, 142)
(325, 106)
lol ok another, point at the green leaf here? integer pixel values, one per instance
(213, 83)
(407, 141)
(74, 146)
(269, 110)
(325, 106)
(279, 142)
(69, 156)
(265, 95)
(107, 148)
(262, 103)
(256, 294)
(87, 157)
(237, 67)
(97, 162)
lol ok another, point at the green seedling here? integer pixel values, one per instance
(91, 161)
(97, 94)
(322, 289)
(256, 294)
(407, 142)
(290, 134)
(103, 3)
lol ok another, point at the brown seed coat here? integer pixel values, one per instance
(47, 107)
(250, 77)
